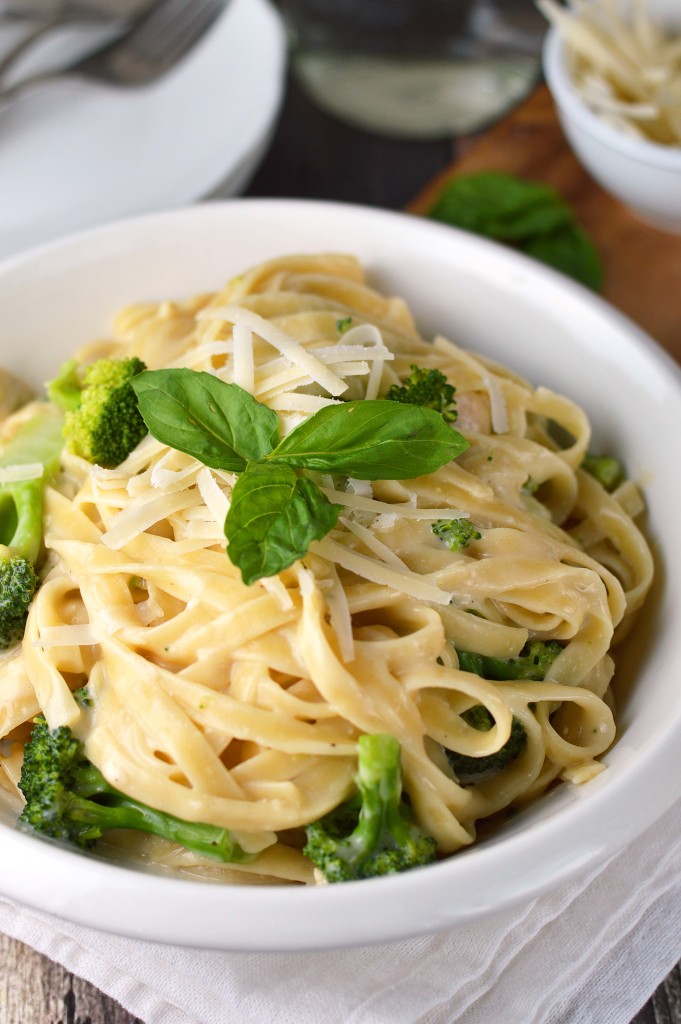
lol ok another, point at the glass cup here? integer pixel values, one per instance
(415, 69)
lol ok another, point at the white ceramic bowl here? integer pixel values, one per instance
(517, 312)
(642, 174)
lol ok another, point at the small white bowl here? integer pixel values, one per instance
(644, 175)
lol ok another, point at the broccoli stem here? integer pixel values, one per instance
(65, 390)
(68, 798)
(371, 834)
(113, 810)
(380, 782)
(606, 469)
(37, 440)
(21, 519)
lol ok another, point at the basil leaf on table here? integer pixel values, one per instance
(273, 518)
(219, 424)
(528, 215)
(570, 251)
(371, 440)
(501, 206)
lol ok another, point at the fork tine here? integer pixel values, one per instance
(202, 21)
(158, 40)
(171, 17)
(187, 26)
(168, 32)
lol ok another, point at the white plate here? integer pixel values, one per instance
(518, 312)
(78, 153)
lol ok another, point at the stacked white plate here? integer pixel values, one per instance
(77, 153)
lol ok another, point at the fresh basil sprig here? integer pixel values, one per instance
(276, 512)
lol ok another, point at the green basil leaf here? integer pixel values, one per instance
(526, 215)
(217, 423)
(569, 250)
(501, 206)
(273, 518)
(371, 439)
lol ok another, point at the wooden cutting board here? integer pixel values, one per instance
(642, 265)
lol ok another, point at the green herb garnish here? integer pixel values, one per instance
(527, 215)
(219, 424)
(274, 517)
(456, 533)
(277, 511)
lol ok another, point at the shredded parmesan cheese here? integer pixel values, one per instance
(370, 334)
(294, 401)
(15, 474)
(406, 511)
(135, 519)
(168, 479)
(497, 404)
(341, 619)
(402, 580)
(626, 69)
(284, 343)
(372, 542)
(273, 585)
(244, 362)
(214, 498)
(362, 487)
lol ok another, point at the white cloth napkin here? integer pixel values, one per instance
(592, 952)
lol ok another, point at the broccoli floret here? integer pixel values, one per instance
(371, 834)
(477, 769)
(606, 469)
(69, 799)
(18, 583)
(103, 422)
(456, 533)
(38, 441)
(426, 387)
(66, 388)
(532, 662)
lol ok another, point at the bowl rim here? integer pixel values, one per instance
(198, 914)
(570, 103)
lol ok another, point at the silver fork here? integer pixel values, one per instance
(68, 13)
(151, 48)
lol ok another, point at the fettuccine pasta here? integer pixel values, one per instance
(241, 705)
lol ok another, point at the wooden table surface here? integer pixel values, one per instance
(316, 157)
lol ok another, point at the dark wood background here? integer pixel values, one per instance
(314, 156)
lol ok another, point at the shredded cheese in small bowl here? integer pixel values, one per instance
(614, 70)
(625, 66)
